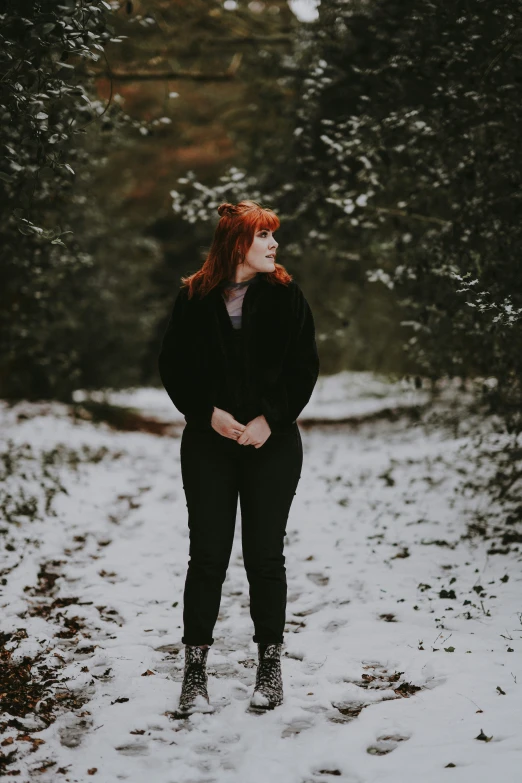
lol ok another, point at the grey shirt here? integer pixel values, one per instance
(234, 301)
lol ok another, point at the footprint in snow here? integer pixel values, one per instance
(347, 711)
(318, 579)
(377, 677)
(72, 733)
(228, 670)
(133, 749)
(310, 610)
(297, 726)
(385, 744)
(207, 747)
(240, 692)
(334, 625)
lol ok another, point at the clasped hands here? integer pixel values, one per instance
(255, 433)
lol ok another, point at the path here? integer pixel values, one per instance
(402, 638)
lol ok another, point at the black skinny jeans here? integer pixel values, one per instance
(215, 471)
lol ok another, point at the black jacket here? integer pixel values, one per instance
(281, 358)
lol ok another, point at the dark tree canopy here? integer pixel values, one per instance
(65, 315)
(407, 150)
(386, 137)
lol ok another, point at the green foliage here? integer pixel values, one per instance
(406, 145)
(43, 100)
(358, 324)
(430, 157)
(44, 107)
(386, 138)
(420, 119)
(46, 271)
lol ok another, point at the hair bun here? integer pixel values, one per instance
(226, 209)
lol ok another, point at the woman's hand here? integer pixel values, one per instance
(225, 424)
(255, 433)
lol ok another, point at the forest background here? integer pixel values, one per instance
(386, 136)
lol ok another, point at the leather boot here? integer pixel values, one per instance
(194, 694)
(268, 690)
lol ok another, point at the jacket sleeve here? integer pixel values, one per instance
(302, 367)
(178, 365)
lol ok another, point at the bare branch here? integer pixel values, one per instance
(153, 76)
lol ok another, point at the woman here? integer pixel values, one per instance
(239, 360)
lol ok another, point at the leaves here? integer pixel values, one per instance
(45, 99)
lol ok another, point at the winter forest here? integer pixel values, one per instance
(387, 138)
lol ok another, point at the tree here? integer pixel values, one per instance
(47, 113)
(406, 145)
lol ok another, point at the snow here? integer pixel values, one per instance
(378, 528)
(335, 397)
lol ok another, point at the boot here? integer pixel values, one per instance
(268, 690)
(194, 695)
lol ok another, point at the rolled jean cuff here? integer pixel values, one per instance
(198, 643)
(258, 640)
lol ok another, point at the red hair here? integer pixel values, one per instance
(233, 237)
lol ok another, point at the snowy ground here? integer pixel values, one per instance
(402, 657)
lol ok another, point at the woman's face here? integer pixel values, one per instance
(262, 252)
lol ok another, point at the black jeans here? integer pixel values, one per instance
(215, 471)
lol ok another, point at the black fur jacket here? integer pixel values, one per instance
(281, 352)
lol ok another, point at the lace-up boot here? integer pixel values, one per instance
(194, 694)
(268, 690)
